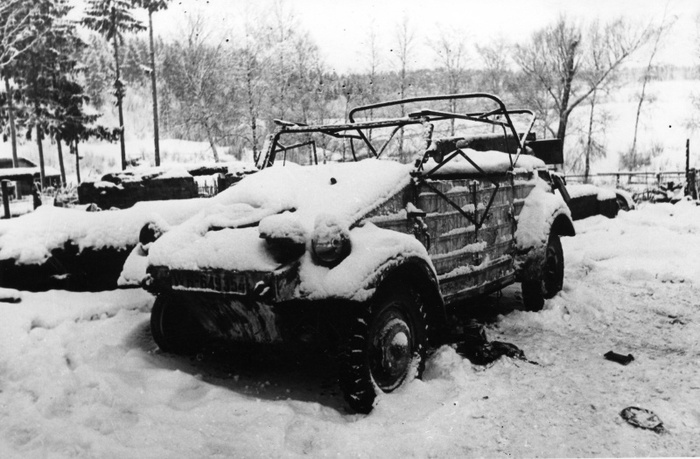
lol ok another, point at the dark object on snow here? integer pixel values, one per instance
(619, 358)
(642, 418)
(480, 351)
(36, 196)
(124, 189)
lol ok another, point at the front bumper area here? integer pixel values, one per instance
(236, 306)
(269, 286)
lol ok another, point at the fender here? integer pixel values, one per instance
(544, 213)
(419, 274)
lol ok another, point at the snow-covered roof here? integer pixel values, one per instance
(29, 171)
(139, 174)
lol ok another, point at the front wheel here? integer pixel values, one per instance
(173, 326)
(385, 348)
(551, 278)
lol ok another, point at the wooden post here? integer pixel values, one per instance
(691, 175)
(5, 198)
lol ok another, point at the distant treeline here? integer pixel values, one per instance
(227, 89)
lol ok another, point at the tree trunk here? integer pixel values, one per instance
(566, 92)
(39, 135)
(211, 142)
(77, 160)
(154, 91)
(119, 93)
(60, 162)
(251, 111)
(589, 142)
(13, 130)
(42, 171)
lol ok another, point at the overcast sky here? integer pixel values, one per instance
(340, 28)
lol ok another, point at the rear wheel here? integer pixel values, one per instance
(174, 328)
(385, 348)
(551, 279)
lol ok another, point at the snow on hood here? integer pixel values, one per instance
(488, 161)
(215, 237)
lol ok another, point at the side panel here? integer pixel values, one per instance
(472, 254)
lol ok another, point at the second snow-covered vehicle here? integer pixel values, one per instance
(376, 254)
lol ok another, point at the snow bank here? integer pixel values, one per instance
(80, 375)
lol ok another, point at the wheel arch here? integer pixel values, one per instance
(562, 226)
(419, 274)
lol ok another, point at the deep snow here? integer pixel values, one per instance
(80, 375)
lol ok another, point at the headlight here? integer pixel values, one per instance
(331, 240)
(150, 232)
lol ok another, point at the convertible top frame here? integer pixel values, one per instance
(357, 130)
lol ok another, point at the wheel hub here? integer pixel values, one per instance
(391, 353)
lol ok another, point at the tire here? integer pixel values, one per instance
(382, 346)
(174, 328)
(622, 203)
(551, 279)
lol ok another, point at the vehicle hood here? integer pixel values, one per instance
(226, 235)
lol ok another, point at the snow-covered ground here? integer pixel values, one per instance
(80, 375)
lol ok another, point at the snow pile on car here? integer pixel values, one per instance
(580, 190)
(489, 161)
(31, 238)
(346, 190)
(540, 210)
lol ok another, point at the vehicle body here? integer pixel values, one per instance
(375, 253)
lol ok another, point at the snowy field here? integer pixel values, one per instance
(80, 375)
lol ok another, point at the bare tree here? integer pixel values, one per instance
(554, 61)
(373, 63)
(657, 35)
(195, 71)
(405, 43)
(251, 65)
(450, 48)
(494, 56)
(596, 63)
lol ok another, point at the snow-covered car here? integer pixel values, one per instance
(372, 254)
(69, 248)
(587, 200)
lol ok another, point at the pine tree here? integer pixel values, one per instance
(113, 18)
(17, 36)
(40, 66)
